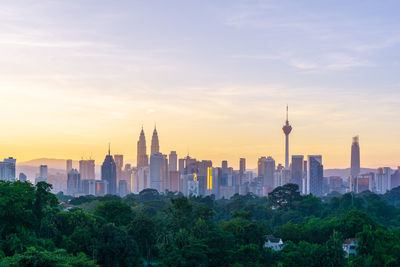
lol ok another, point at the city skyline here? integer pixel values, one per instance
(252, 165)
(215, 78)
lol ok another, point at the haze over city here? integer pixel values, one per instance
(214, 76)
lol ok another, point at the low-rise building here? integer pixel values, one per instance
(350, 246)
(274, 243)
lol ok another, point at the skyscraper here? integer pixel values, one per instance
(315, 175)
(73, 182)
(109, 173)
(242, 170)
(69, 165)
(87, 169)
(157, 171)
(119, 163)
(287, 129)
(242, 165)
(155, 146)
(297, 170)
(355, 157)
(142, 158)
(269, 170)
(173, 161)
(43, 172)
(7, 169)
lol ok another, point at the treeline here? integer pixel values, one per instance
(171, 230)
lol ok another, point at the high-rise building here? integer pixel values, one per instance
(43, 172)
(87, 169)
(88, 187)
(383, 180)
(224, 166)
(305, 186)
(69, 165)
(242, 165)
(297, 170)
(109, 173)
(181, 166)
(122, 188)
(119, 163)
(142, 158)
(286, 130)
(266, 170)
(173, 161)
(7, 169)
(315, 175)
(155, 145)
(101, 188)
(158, 171)
(260, 166)
(355, 157)
(395, 178)
(242, 170)
(73, 182)
(22, 177)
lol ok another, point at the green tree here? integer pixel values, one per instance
(115, 248)
(42, 258)
(285, 196)
(115, 212)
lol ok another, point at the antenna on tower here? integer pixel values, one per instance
(109, 148)
(287, 112)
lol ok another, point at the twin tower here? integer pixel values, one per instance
(142, 157)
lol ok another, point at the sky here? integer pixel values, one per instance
(214, 76)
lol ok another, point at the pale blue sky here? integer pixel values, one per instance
(208, 72)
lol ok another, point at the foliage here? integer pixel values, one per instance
(169, 229)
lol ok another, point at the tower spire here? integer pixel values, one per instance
(287, 112)
(109, 148)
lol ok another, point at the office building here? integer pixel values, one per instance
(101, 188)
(73, 182)
(69, 165)
(395, 178)
(109, 173)
(88, 187)
(335, 184)
(173, 161)
(315, 175)
(383, 179)
(22, 177)
(122, 188)
(142, 158)
(158, 171)
(43, 172)
(7, 169)
(267, 167)
(119, 163)
(141, 179)
(87, 169)
(297, 171)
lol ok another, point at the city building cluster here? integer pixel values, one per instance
(200, 177)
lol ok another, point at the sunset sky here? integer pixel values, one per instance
(215, 76)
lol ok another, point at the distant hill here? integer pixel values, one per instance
(344, 172)
(51, 163)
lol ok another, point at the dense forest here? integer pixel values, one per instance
(171, 230)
